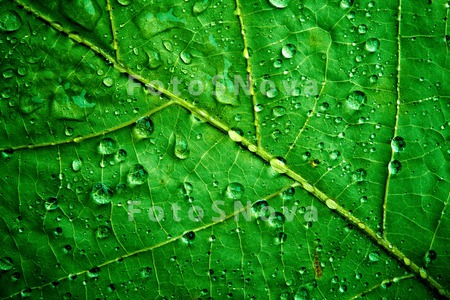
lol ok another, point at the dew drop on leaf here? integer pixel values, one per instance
(200, 6)
(277, 63)
(8, 73)
(186, 57)
(101, 193)
(374, 256)
(288, 51)
(344, 4)
(94, 272)
(187, 188)
(84, 12)
(362, 29)
(398, 144)
(235, 190)
(279, 111)
(276, 220)
(137, 175)
(143, 128)
(279, 165)
(124, 2)
(107, 146)
(359, 175)
(51, 204)
(288, 194)
(188, 237)
(280, 238)
(430, 256)
(103, 232)
(146, 272)
(181, 148)
(356, 99)
(372, 44)
(260, 209)
(76, 165)
(120, 155)
(6, 263)
(154, 59)
(395, 166)
(108, 81)
(10, 21)
(279, 3)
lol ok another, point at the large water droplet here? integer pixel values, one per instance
(186, 57)
(395, 166)
(124, 2)
(120, 156)
(84, 12)
(143, 128)
(107, 146)
(235, 191)
(278, 111)
(356, 99)
(200, 6)
(108, 81)
(154, 60)
(51, 204)
(101, 193)
(346, 4)
(288, 51)
(189, 237)
(76, 165)
(10, 21)
(187, 188)
(279, 165)
(260, 209)
(137, 175)
(6, 263)
(372, 44)
(280, 3)
(288, 194)
(181, 148)
(359, 175)
(276, 220)
(398, 144)
(374, 256)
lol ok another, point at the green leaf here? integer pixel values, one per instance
(138, 162)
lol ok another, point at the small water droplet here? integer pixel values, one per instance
(76, 165)
(398, 144)
(356, 99)
(6, 263)
(108, 81)
(344, 4)
(86, 13)
(188, 237)
(168, 45)
(143, 128)
(374, 256)
(8, 73)
(137, 175)
(200, 6)
(288, 51)
(279, 3)
(103, 232)
(288, 194)
(335, 154)
(154, 60)
(359, 175)
(10, 21)
(124, 2)
(107, 146)
(277, 63)
(278, 111)
(181, 148)
(276, 220)
(235, 190)
(430, 256)
(260, 209)
(395, 166)
(51, 204)
(372, 45)
(362, 29)
(101, 193)
(146, 272)
(120, 156)
(94, 272)
(279, 165)
(186, 57)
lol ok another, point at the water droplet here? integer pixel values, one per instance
(189, 237)
(260, 209)
(331, 204)
(200, 6)
(288, 194)
(51, 204)
(10, 21)
(137, 175)
(372, 44)
(84, 12)
(6, 263)
(120, 155)
(362, 29)
(278, 111)
(186, 57)
(181, 148)
(356, 99)
(146, 272)
(430, 256)
(276, 220)
(335, 154)
(168, 45)
(279, 165)
(103, 232)
(346, 4)
(398, 144)
(187, 188)
(288, 51)
(235, 190)
(359, 175)
(154, 60)
(107, 146)
(68, 131)
(280, 238)
(101, 193)
(374, 256)
(395, 166)
(277, 63)
(143, 128)
(108, 81)
(124, 2)
(280, 3)
(76, 165)
(8, 73)
(94, 272)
